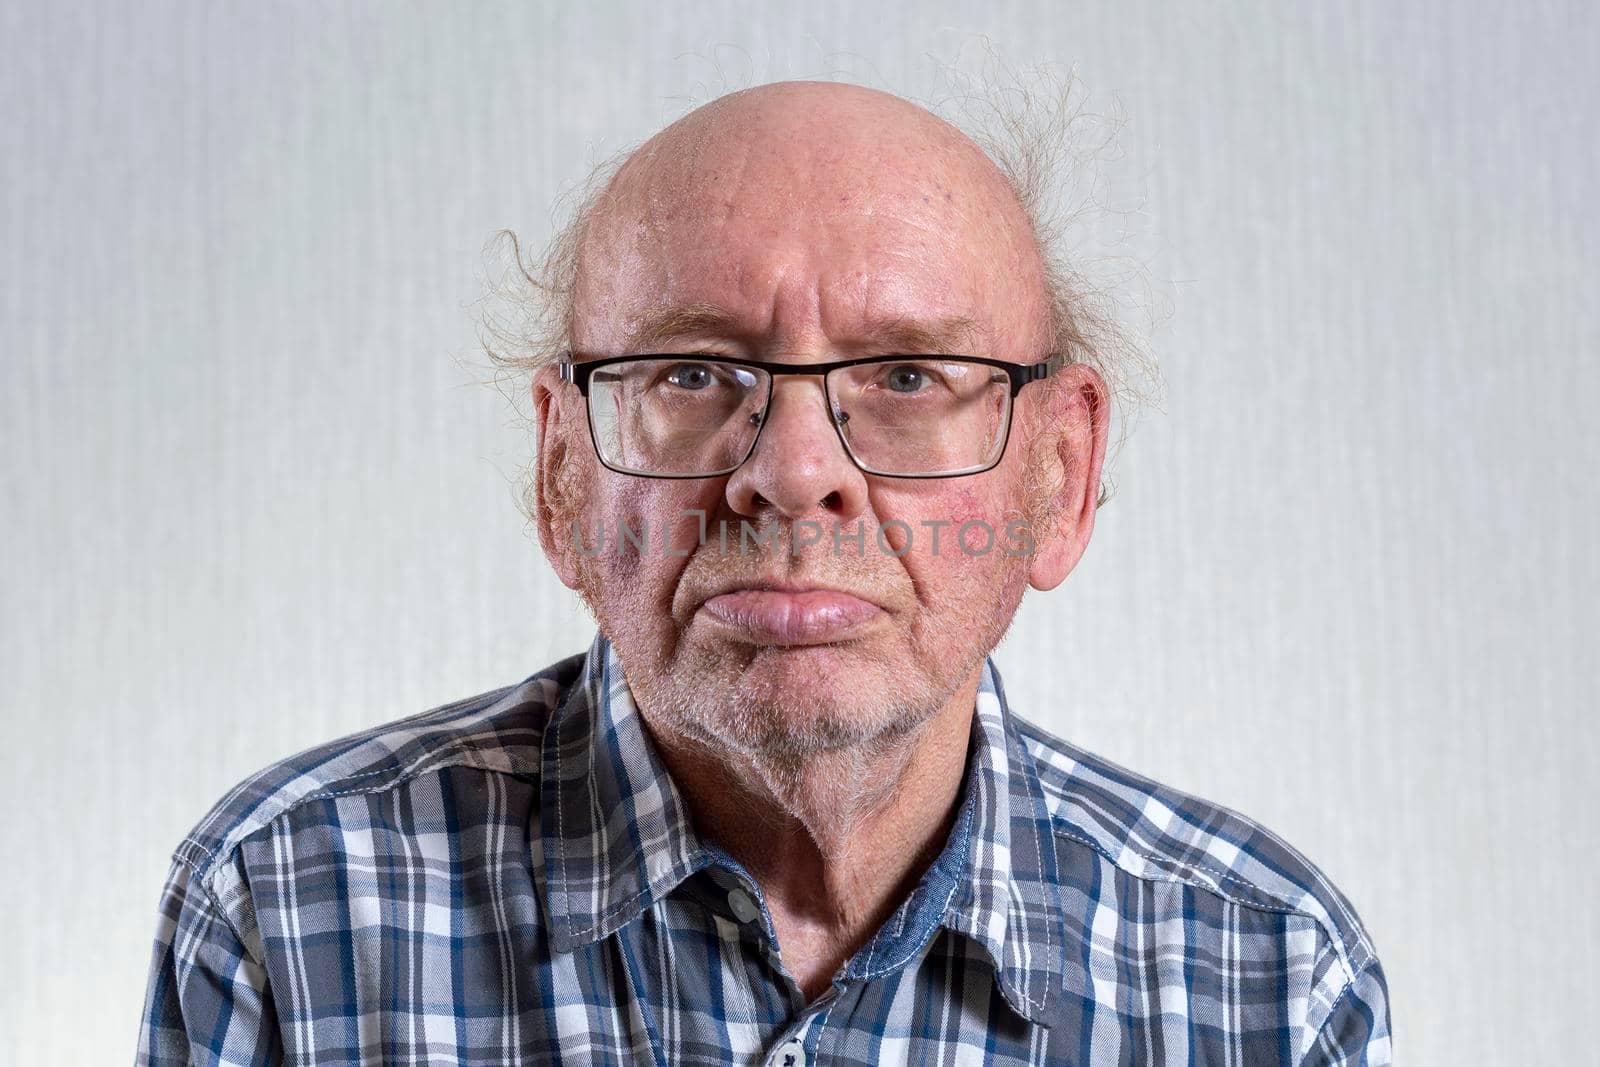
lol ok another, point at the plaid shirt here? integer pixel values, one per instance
(514, 879)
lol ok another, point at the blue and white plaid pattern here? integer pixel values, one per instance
(514, 879)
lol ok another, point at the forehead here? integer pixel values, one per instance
(808, 225)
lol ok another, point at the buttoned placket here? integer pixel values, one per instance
(788, 1049)
(791, 1053)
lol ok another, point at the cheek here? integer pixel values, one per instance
(646, 530)
(974, 545)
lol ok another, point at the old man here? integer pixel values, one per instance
(823, 413)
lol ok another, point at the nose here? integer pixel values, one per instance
(799, 467)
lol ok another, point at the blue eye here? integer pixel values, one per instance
(691, 376)
(906, 378)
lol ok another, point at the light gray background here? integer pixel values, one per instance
(253, 500)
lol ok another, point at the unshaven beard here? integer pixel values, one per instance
(829, 768)
(829, 772)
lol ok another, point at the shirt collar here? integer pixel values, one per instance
(616, 836)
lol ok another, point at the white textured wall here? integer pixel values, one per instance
(1347, 586)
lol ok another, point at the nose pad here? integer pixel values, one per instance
(838, 417)
(834, 417)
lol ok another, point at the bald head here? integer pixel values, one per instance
(859, 141)
(848, 206)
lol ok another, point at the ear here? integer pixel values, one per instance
(558, 418)
(1078, 418)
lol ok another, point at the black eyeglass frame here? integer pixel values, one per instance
(1020, 374)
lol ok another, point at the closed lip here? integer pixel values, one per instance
(784, 586)
(782, 614)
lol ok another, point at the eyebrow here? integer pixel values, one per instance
(951, 335)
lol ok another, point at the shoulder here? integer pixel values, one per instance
(500, 731)
(1154, 832)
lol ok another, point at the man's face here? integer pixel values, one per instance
(820, 220)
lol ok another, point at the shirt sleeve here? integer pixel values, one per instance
(1356, 1033)
(207, 1000)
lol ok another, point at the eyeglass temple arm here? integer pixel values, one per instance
(1032, 372)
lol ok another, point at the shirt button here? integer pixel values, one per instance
(792, 1053)
(744, 909)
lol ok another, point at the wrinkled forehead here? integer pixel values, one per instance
(810, 220)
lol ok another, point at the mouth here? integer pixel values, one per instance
(790, 616)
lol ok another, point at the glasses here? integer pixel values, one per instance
(685, 415)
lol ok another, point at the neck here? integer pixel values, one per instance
(837, 839)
